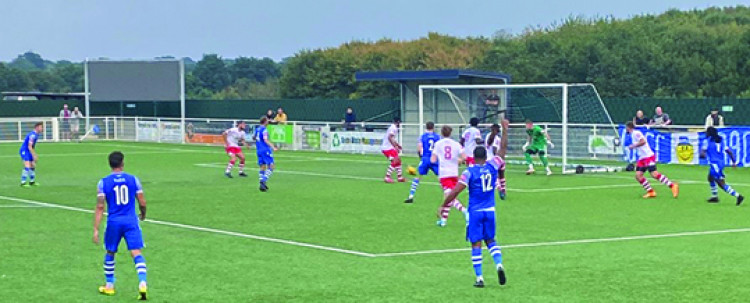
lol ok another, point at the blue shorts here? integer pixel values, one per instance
(481, 226)
(131, 231)
(425, 166)
(26, 155)
(265, 158)
(716, 171)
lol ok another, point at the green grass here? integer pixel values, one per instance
(46, 253)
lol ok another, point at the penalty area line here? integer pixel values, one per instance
(572, 242)
(202, 229)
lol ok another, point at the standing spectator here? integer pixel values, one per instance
(661, 118)
(639, 119)
(349, 118)
(714, 119)
(75, 122)
(280, 116)
(65, 122)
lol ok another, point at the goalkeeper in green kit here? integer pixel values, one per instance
(537, 144)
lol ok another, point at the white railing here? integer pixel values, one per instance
(584, 141)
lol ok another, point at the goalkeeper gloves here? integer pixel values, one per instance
(525, 145)
(551, 145)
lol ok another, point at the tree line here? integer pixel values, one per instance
(696, 53)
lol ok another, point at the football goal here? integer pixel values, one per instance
(585, 138)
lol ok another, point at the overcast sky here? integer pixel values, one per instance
(77, 29)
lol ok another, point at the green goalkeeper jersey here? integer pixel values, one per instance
(538, 139)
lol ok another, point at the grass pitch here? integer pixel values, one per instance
(330, 230)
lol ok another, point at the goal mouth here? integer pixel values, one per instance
(572, 115)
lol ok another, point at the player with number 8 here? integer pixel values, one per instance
(448, 154)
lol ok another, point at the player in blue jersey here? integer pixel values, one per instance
(424, 149)
(119, 191)
(713, 151)
(29, 156)
(481, 179)
(264, 150)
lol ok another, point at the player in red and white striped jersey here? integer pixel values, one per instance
(448, 154)
(233, 138)
(391, 149)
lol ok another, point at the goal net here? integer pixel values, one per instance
(584, 136)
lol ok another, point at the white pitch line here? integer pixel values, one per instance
(86, 154)
(349, 177)
(571, 242)
(21, 206)
(203, 229)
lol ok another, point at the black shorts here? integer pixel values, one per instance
(534, 151)
(644, 169)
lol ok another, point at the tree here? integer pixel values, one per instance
(254, 69)
(211, 73)
(71, 75)
(29, 61)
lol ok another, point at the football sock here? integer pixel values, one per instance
(476, 260)
(399, 173)
(645, 184)
(25, 174)
(444, 212)
(140, 267)
(457, 204)
(32, 174)
(389, 171)
(663, 179)
(502, 184)
(229, 166)
(414, 185)
(714, 189)
(497, 256)
(528, 159)
(269, 173)
(544, 161)
(109, 269)
(242, 166)
(730, 190)
(262, 175)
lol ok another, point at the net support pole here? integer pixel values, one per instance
(564, 128)
(182, 101)
(421, 109)
(87, 101)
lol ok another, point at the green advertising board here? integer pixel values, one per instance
(313, 138)
(281, 133)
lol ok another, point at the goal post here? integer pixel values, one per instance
(572, 114)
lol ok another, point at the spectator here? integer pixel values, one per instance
(269, 115)
(280, 116)
(75, 122)
(714, 119)
(661, 118)
(65, 122)
(350, 118)
(491, 103)
(639, 119)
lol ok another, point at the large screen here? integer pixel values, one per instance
(115, 81)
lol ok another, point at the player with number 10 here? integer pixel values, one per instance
(119, 191)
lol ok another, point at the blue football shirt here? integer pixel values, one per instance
(120, 190)
(715, 152)
(31, 137)
(260, 135)
(428, 140)
(481, 181)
